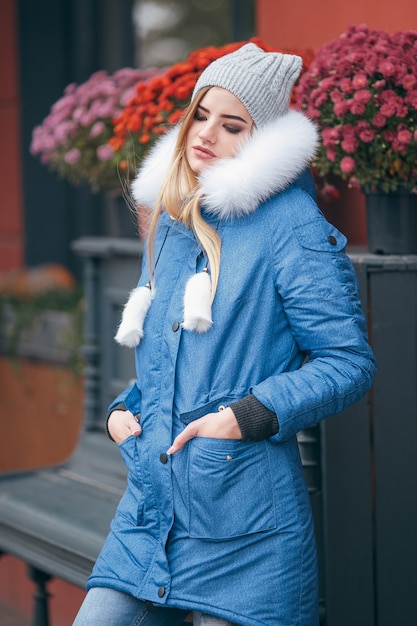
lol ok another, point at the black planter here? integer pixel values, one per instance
(391, 222)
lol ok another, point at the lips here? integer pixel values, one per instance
(203, 153)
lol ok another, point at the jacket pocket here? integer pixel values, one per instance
(320, 236)
(230, 488)
(131, 505)
(209, 407)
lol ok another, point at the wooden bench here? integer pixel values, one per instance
(56, 519)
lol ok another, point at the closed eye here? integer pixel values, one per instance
(233, 129)
(199, 116)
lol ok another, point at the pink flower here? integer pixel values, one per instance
(389, 135)
(367, 135)
(409, 81)
(398, 145)
(63, 131)
(353, 182)
(346, 85)
(348, 131)
(402, 110)
(341, 108)
(411, 98)
(388, 109)
(350, 144)
(78, 113)
(357, 108)
(330, 136)
(97, 129)
(327, 83)
(331, 154)
(330, 192)
(404, 136)
(104, 152)
(388, 95)
(387, 69)
(379, 120)
(363, 95)
(379, 84)
(347, 165)
(72, 156)
(336, 95)
(363, 125)
(359, 81)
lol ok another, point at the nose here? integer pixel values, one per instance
(207, 133)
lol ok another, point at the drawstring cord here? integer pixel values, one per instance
(197, 315)
(130, 331)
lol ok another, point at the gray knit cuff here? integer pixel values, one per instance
(254, 419)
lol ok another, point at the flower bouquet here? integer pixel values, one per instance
(73, 140)
(361, 89)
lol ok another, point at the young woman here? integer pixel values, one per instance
(247, 328)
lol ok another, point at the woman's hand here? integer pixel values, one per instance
(221, 425)
(122, 424)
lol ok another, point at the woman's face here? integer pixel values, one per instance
(220, 126)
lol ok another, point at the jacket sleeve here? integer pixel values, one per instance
(317, 286)
(130, 398)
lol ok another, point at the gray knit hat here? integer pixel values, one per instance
(262, 81)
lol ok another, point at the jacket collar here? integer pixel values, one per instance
(272, 158)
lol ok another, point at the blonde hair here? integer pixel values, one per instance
(180, 196)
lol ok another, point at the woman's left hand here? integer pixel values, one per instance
(221, 425)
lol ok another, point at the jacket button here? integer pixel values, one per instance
(163, 457)
(332, 240)
(175, 326)
(161, 592)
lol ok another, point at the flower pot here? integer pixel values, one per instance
(391, 222)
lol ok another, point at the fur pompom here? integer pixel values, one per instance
(130, 331)
(197, 303)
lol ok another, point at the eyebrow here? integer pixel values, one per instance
(229, 117)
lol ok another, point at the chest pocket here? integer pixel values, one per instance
(230, 488)
(320, 236)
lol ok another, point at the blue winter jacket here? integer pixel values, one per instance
(225, 526)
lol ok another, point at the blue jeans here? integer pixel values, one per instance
(107, 607)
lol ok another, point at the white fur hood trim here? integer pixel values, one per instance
(268, 162)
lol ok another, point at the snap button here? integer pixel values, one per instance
(175, 326)
(161, 592)
(229, 457)
(332, 240)
(163, 457)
